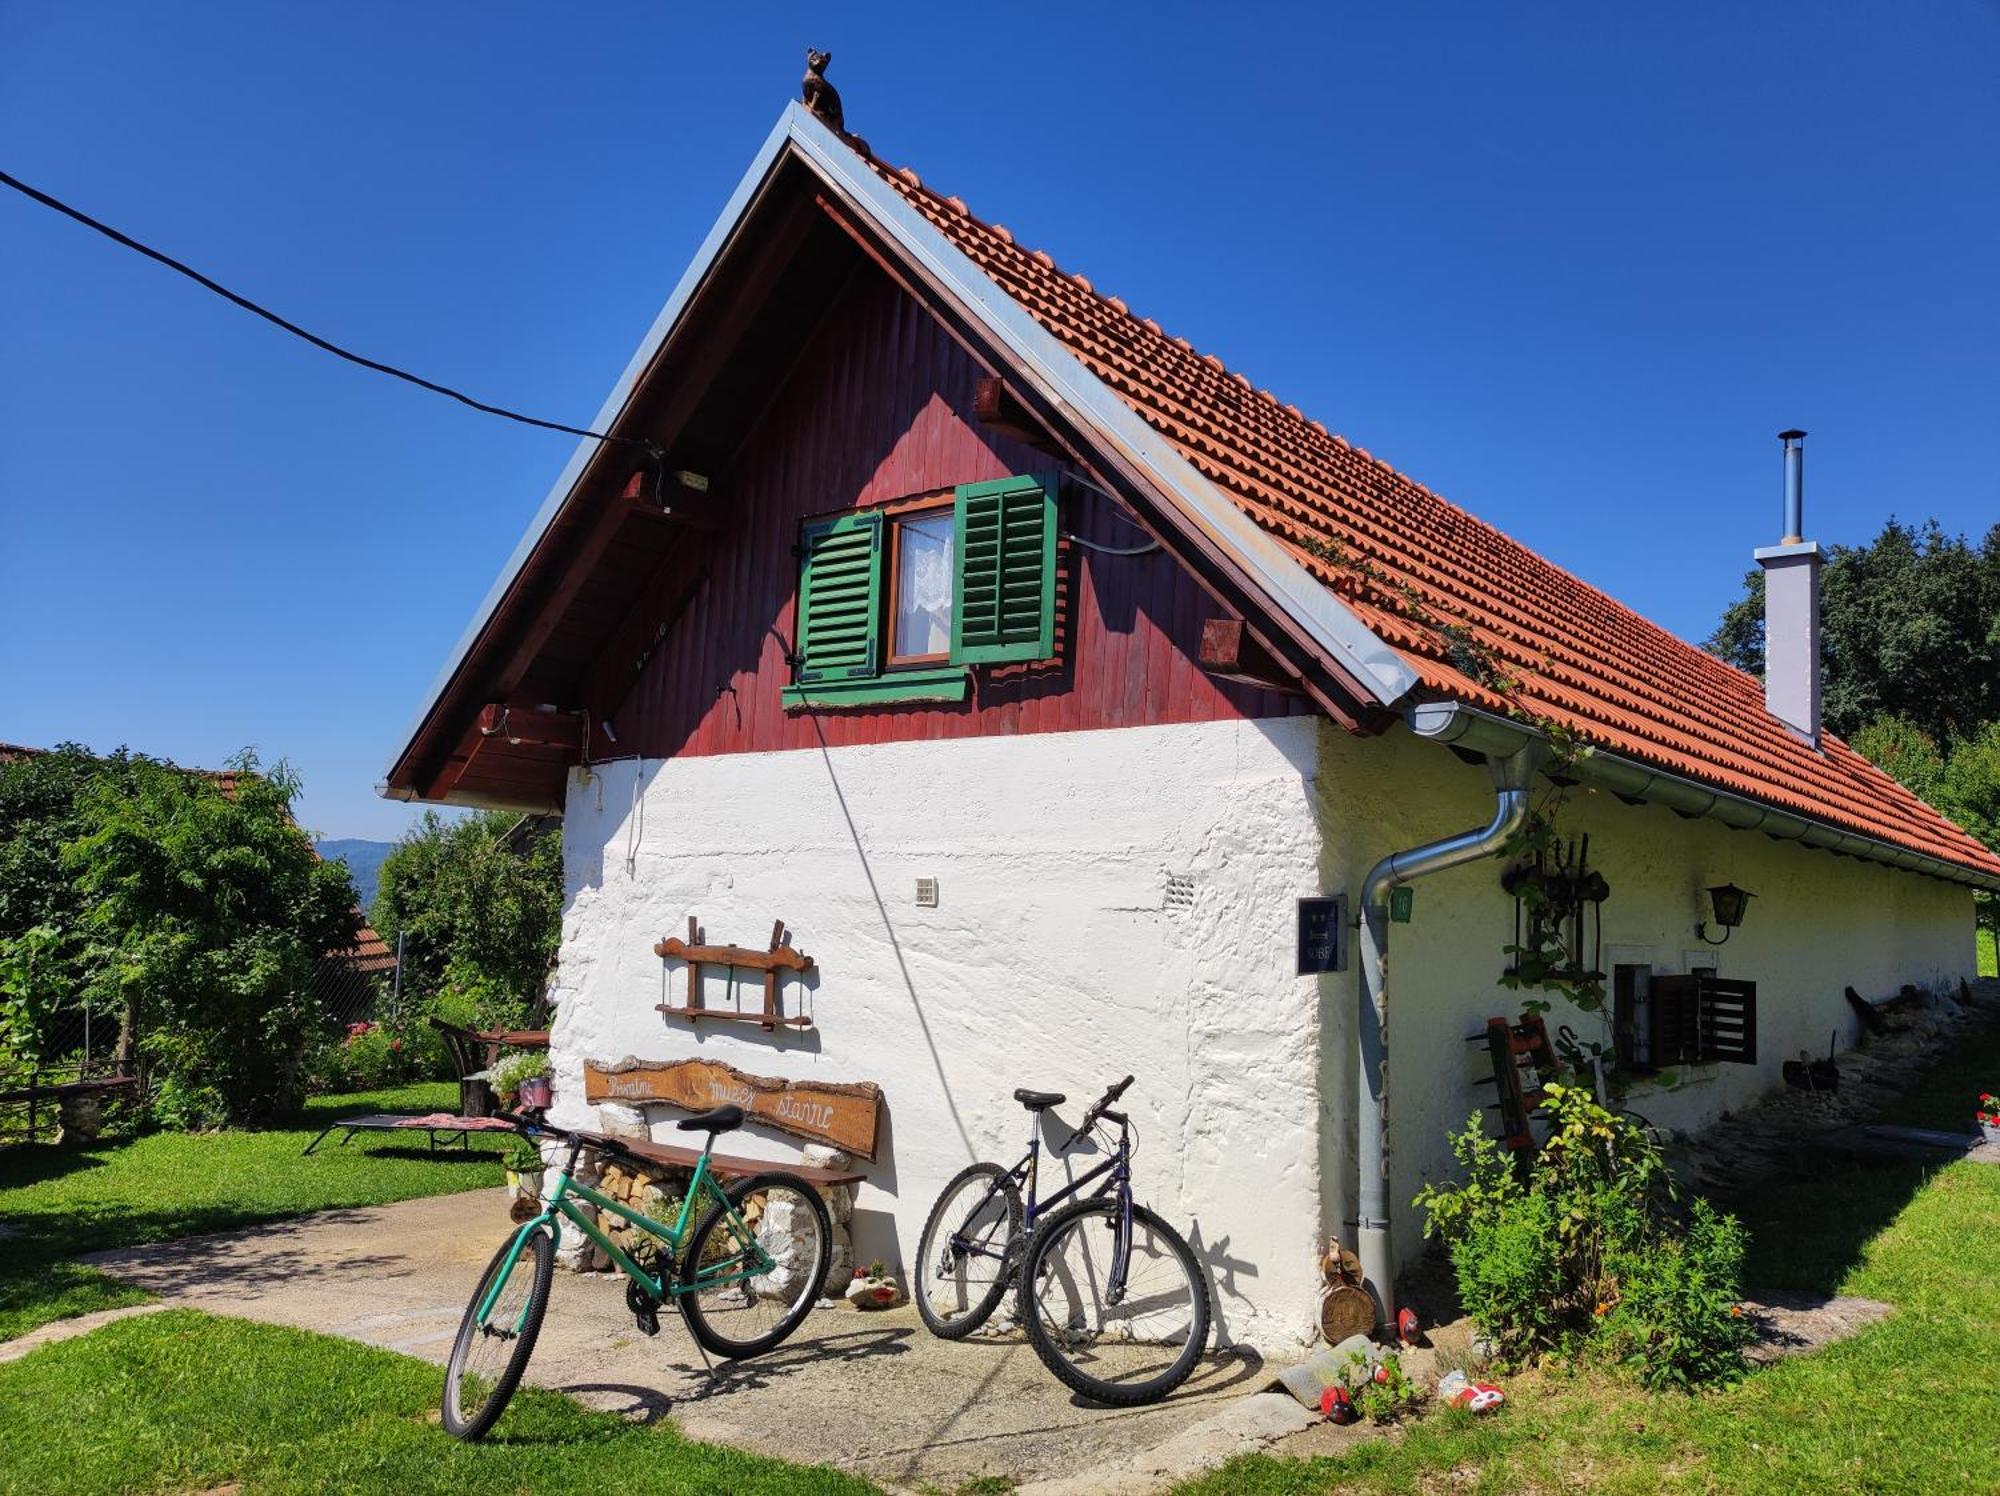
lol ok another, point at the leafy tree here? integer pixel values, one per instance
(1968, 787)
(478, 902)
(205, 914)
(1906, 751)
(1909, 628)
(42, 940)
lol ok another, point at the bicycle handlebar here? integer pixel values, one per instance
(1097, 1110)
(531, 1125)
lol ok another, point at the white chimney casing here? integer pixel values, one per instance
(1791, 608)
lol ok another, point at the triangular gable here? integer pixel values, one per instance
(1377, 592)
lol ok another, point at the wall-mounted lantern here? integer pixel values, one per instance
(1729, 902)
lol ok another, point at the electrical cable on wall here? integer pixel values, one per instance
(323, 344)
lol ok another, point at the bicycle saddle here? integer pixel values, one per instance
(720, 1119)
(1034, 1101)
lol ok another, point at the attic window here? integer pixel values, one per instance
(921, 597)
(895, 603)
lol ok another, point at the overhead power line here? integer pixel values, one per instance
(313, 338)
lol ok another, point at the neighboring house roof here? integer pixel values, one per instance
(1407, 597)
(370, 954)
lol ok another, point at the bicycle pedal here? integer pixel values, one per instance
(648, 1321)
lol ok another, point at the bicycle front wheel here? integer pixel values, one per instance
(967, 1251)
(493, 1348)
(1120, 1343)
(755, 1265)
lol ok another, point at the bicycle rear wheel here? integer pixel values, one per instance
(967, 1251)
(755, 1265)
(1122, 1348)
(492, 1351)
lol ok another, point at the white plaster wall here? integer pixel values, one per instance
(1050, 961)
(1819, 923)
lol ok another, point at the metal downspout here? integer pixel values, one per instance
(1513, 779)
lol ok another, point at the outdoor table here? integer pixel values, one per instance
(454, 1129)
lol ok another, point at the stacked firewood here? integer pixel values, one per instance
(656, 1192)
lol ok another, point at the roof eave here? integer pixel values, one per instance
(1459, 725)
(608, 416)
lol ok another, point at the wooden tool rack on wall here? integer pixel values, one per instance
(779, 958)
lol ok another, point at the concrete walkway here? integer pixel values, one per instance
(874, 1393)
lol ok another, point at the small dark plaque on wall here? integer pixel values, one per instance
(1322, 935)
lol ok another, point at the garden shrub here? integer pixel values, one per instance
(1678, 1322)
(1583, 1250)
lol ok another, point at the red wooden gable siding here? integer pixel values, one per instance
(879, 407)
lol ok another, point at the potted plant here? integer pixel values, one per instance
(523, 1074)
(523, 1164)
(1989, 1117)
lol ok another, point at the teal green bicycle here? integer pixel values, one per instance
(744, 1277)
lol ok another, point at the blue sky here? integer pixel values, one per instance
(1570, 265)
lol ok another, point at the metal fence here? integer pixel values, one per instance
(79, 1046)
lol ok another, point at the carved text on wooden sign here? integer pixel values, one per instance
(843, 1114)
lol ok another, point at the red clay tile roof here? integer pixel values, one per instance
(369, 954)
(1408, 562)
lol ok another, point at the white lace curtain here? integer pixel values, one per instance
(923, 587)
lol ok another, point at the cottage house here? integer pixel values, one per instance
(1030, 668)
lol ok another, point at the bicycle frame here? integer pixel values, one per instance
(559, 1203)
(1025, 1174)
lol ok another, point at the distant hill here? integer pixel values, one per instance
(363, 859)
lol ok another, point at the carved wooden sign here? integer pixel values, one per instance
(843, 1114)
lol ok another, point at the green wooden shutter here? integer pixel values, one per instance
(1006, 556)
(840, 599)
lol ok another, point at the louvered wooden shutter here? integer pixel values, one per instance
(1728, 1012)
(1673, 1021)
(1006, 555)
(840, 596)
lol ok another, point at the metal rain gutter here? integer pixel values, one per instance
(1513, 781)
(1480, 732)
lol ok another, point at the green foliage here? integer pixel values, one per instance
(1543, 1261)
(1678, 1321)
(1968, 788)
(1905, 751)
(43, 809)
(479, 904)
(1380, 1390)
(1909, 628)
(205, 914)
(30, 988)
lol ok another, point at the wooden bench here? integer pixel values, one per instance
(66, 1088)
(669, 1155)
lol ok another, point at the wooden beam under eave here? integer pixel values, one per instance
(1000, 410)
(1229, 651)
(535, 724)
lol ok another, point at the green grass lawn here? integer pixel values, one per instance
(1989, 959)
(179, 1401)
(57, 1202)
(1908, 1405)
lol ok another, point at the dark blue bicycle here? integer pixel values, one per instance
(1111, 1296)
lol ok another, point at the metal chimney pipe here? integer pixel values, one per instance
(1795, 485)
(1791, 608)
